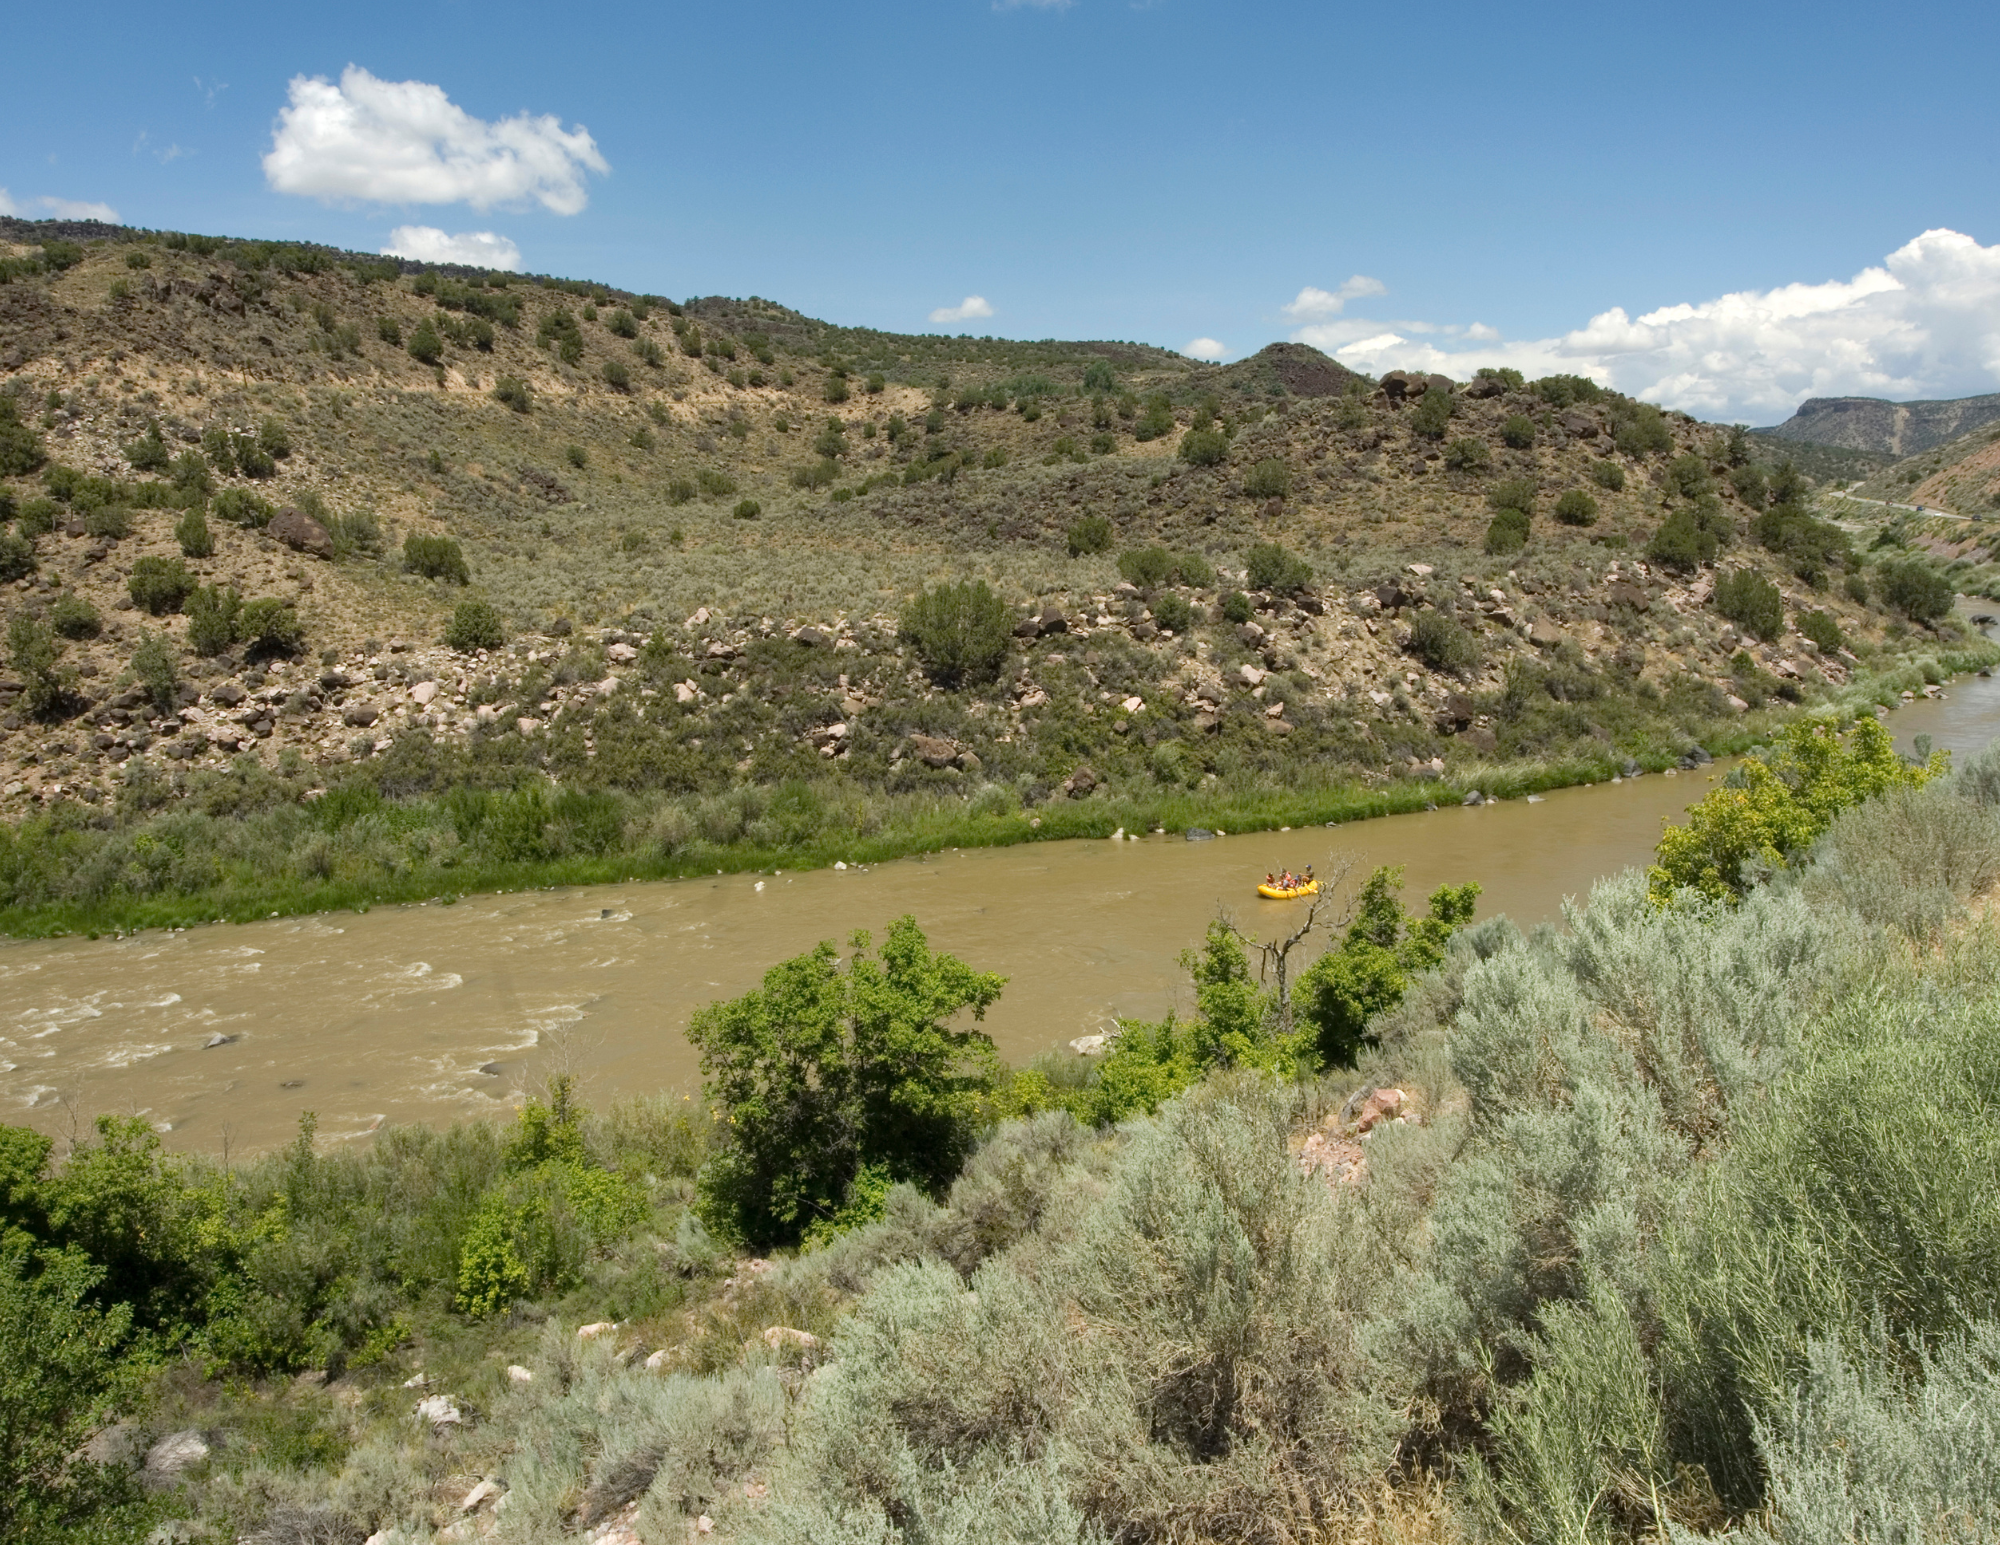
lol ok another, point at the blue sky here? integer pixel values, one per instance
(1485, 180)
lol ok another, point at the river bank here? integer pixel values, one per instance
(317, 854)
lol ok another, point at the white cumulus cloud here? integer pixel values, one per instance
(79, 209)
(428, 244)
(972, 306)
(406, 142)
(7, 206)
(1925, 322)
(1312, 303)
(1206, 348)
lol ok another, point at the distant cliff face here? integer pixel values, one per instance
(1887, 428)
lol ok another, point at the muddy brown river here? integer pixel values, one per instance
(427, 1013)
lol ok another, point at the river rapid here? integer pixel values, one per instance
(222, 1035)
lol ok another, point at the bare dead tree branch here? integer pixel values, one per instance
(1330, 908)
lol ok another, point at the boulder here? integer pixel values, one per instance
(1028, 627)
(228, 695)
(1438, 383)
(1544, 634)
(1249, 675)
(1486, 386)
(969, 762)
(1251, 634)
(812, 638)
(439, 1411)
(1398, 384)
(1391, 597)
(301, 533)
(932, 751)
(621, 654)
(1053, 621)
(424, 693)
(362, 715)
(781, 1338)
(1079, 783)
(1622, 594)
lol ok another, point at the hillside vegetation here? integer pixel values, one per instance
(1676, 1223)
(334, 579)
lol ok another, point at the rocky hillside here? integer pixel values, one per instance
(695, 527)
(1961, 476)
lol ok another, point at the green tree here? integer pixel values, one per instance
(833, 1066)
(1157, 420)
(1576, 508)
(1204, 448)
(17, 555)
(1608, 475)
(1273, 568)
(36, 655)
(149, 452)
(960, 631)
(514, 392)
(1692, 535)
(58, 1369)
(435, 557)
(1777, 805)
(1823, 630)
(474, 625)
(1442, 644)
(1751, 601)
(192, 533)
(160, 585)
(1432, 414)
(1146, 567)
(1088, 534)
(1518, 432)
(1514, 493)
(269, 626)
(1268, 479)
(74, 617)
(425, 346)
(20, 444)
(211, 613)
(1370, 970)
(1507, 532)
(1468, 453)
(1914, 588)
(158, 672)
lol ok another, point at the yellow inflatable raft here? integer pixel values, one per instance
(1277, 893)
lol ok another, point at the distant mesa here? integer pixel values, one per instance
(1885, 428)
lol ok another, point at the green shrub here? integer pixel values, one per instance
(1812, 547)
(108, 520)
(747, 509)
(835, 389)
(1270, 567)
(191, 475)
(1468, 453)
(474, 625)
(960, 632)
(20, 444)
(617, 376)
(149, 452)
(1432, 414)
(1518, 432)
(623, 323)
(60, 255)
(37, 517)
(36, 654)
(1204, 447)
(1608, 475)
(240, 507)
(680, 490)
(513, 391)
(1157, 421)
(1504, 373)
(1690, 536)
(823, 473)
(160, 585)
(1688, 477)
(425, 346)
(576, 456)
(1343, 992)
(219, 446)
(192, 533)
(1270, 479)
(1442, 644)
(17, 556)
(1751, 601)
(1566, 391)
(1576, 508)
(158, 672)
(1823, 630)
(211, 613)
(390, 331)
(716, 485)
(435, 557)
(1507, 532)
(1088, 535)
(1514, 493)
(1172, 611)
(1236, 608)
(830, 1067)
(1915, 588)
(269, 626)
(1640, 429)
(1146, 567)
(353, 535)
(74, 617)
(1102, 444)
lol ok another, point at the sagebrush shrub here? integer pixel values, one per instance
(474, 625)
(435, 557)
